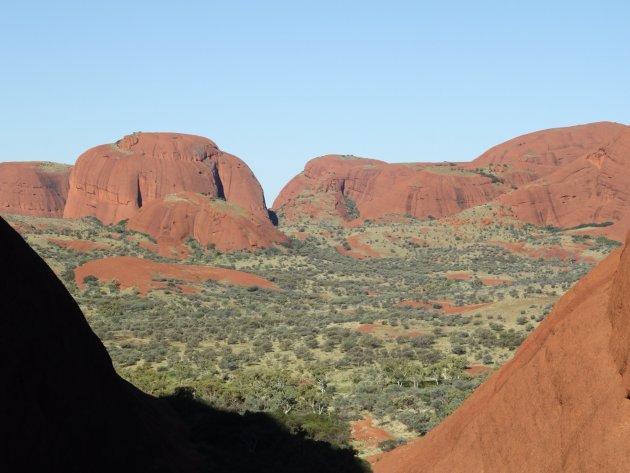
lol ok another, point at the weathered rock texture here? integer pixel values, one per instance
(62, 406)
(529, 157)
(208, 220)
(331, 186)
(560, 405)
(594, 187)
(562, 177)
(33, 188)
(140, 177)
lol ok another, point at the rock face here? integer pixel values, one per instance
(208, 220)
(529, 157)
(63, 408)
(561, 404)
(345, 187)
(142, 176)
(330, 187)
(594, 187)
(37, 189)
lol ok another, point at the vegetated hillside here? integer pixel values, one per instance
(34, 188)
(560, 405)
(63, 408)
(389, 324)
(347, 190)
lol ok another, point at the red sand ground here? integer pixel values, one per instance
(358, 249)
(364, 431)
(82, 246)
(139, 273)
(459, 276)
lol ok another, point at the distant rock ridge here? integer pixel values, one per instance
(561, 404)
(38, 189)
(530, 175)
(336, 186)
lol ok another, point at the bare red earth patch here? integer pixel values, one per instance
(364, 431)
(142, 274)
(459, 276)
(82, 246)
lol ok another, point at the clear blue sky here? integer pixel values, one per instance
(278, 83)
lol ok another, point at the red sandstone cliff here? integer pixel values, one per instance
(34, 188)
(225, 225)
(560, 405)
(330, 185)
(140, 178)
(327, 184)
(594, 187)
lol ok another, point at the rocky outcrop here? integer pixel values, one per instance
(594, 187)
(210, 221)
(528, 157)
(344, 188)
(37, 189)
(111, 182)
(63, 408)
(173, 186)
(561, 404)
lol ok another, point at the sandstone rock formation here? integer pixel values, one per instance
(528, 157)
(142, 178)
(173, 219)
(62, 406)
(535, 175)
(560, 405)
(330, 187)
(34, 188)
(594, 187)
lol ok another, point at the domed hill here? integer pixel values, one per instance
(63, 408)
(144, 170)
(561, 404)
(34, 188)
(592, 188)
(528, 157)
(342, 188)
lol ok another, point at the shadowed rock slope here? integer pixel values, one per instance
(561, 404)
(62, 406)
(64, 409)
(37, 189)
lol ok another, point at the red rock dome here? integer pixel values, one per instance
(142, 178)
(37, 189)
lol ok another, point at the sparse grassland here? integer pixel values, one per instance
(399, 320)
